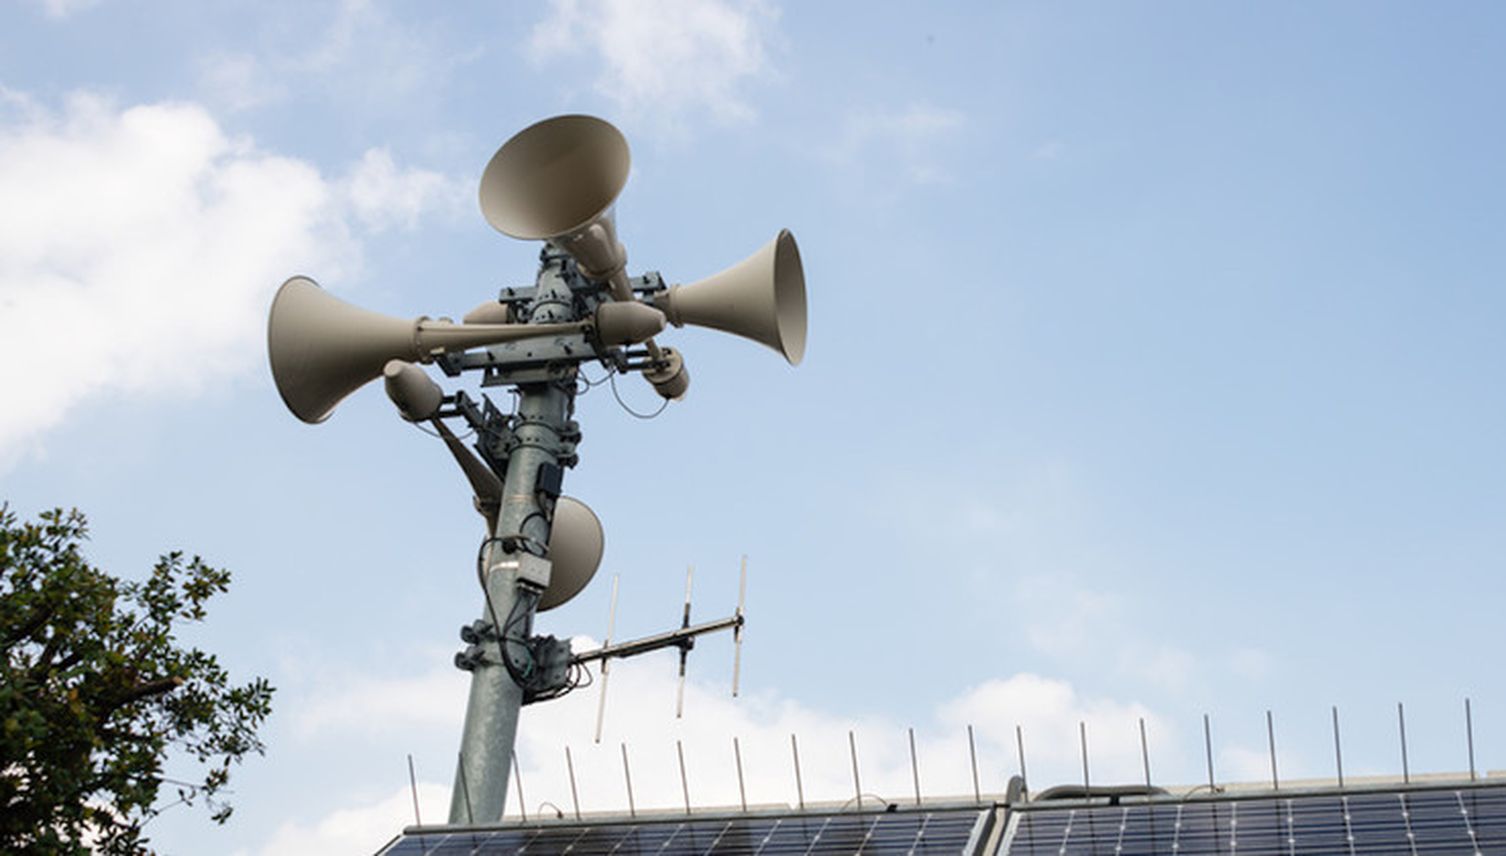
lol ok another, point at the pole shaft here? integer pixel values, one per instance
(491, 715)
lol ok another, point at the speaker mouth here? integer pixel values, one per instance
(789, 296)
(554, 177)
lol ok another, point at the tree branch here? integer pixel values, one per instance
(146, 690)
(30, 625)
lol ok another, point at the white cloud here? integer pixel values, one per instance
(239, 81)
(139, 248)
(1252, 664)
(1049, 712)
(1244, 764)
(366, 55)
(640, 715)
(663, 59)
(1030, 543)
(373, 707)
(360, 56)
(1068, 618)
(64, 8)
(907, 140)
(384, 196)
(1050, 150)
(359, 828)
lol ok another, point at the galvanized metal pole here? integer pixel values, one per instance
(491, 714)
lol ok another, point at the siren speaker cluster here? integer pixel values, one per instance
(558, 180)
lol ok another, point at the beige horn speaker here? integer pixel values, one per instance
(761, 298)
(322, 348)
(556, 181)
(576, 542)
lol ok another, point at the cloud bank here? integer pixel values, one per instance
(389, 710)
(664, 60)
(140, 246)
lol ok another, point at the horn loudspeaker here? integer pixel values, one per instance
(576, 542)
(761, 298)
(556, 180)
(322, 348)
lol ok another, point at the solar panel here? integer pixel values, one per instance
(1466, 820)
(898, 833)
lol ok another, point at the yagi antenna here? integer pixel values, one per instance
(682, 637)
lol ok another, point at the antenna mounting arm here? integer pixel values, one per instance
(679, 637)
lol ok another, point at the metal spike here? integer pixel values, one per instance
(601, 702)
(574, 794)
(799, 787)
(1338, 754)
(1019, 742)
(1082, 731)
(857, 785)
(413, 783)
(1469, 735)
(684, 782)
(1401, 725)
(972, 754)
(627, 776)
(517, 774)
(742, 793)
(737, 631)
(1208, 748)
(1270, 733)
(1145, 753)
(914, 766)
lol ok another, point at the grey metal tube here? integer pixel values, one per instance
(491, 714)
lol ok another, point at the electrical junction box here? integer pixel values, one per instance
(525, 568)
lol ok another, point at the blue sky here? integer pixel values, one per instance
(1154, 371)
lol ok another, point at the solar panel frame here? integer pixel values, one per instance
(927, 831)
(1446, 818)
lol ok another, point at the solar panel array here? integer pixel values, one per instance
(918, 832)
(1469, 821)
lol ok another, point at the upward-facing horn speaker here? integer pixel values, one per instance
(556, 180)
(322, 348)
(761, 298)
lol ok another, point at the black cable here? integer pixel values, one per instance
(577, 674)
(520, 678)
(539, 513)
(631, 411)
(580, 377)
(519, 615)
(594, 383)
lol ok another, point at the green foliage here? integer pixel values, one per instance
(96, 691)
